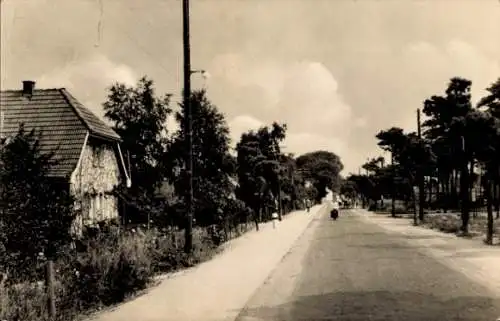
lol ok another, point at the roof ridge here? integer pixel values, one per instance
(71, 100)
(66, 98)
(36, 89)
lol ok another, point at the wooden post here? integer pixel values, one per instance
(421, 179)
(49, 285)
(393, 192)
(189, 128)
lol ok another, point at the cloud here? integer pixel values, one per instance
(335, 69)
(310, 100)
(303, 94)
(454, 58)
(429, 67)
(297, 143)
(360, 122)
(88, 79)
(242, 124)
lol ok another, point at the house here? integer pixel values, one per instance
(89, 160)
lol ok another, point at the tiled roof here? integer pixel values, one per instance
(96, 126)
(61, 119)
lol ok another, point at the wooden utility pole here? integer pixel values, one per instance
(393, 189)
(280, 217)
(189, 126)
(420, 176)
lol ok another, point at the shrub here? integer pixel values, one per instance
(167, 253)
(444, 223)
(203, 246)
(217, 234)
(25, 301)
(109, 270)
(36, 211)
(167, 249)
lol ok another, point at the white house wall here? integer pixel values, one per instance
(92, 182)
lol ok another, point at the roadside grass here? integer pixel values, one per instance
(451, 222)
(109, 270)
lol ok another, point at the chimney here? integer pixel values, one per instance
(28, 87)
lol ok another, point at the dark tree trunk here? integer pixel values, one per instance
(496, 199)
(421, 197)
(464, 197)
(429, 194)
(489, 208)
(451, 190)
(393, 187)
(446, 194)
(471, 184)
(256, 216)
(457, 186)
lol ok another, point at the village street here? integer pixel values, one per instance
(361, 267)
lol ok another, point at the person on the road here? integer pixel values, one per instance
(335, 209)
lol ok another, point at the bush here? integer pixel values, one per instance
(36, 212)
(167, 252)
(110, 270)
(25, 301)
(444, 223)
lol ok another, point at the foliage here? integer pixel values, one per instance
(110, 268)
(25, 301)
(139, 116)
(259, 167)
(110, 263)
(457, 138)
(213, 166)
(349, 188)
(36, 211)
(322, 169)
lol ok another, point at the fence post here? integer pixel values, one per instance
(49, 285)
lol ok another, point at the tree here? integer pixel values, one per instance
(213, 165)
(259, 168)
(323, 169)
(411, 158)
(138, 115)
(366, 186)
(349, 188)
(36, 211)
(485, 137)
(492, 103)
(292, 182)
(392, 140)
(459, 98)
(446, 129)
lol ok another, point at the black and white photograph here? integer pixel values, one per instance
(249, 160)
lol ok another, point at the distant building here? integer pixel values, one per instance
(89, 159)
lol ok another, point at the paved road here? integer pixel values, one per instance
(354, 270)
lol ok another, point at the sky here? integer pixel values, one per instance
(335, 71)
